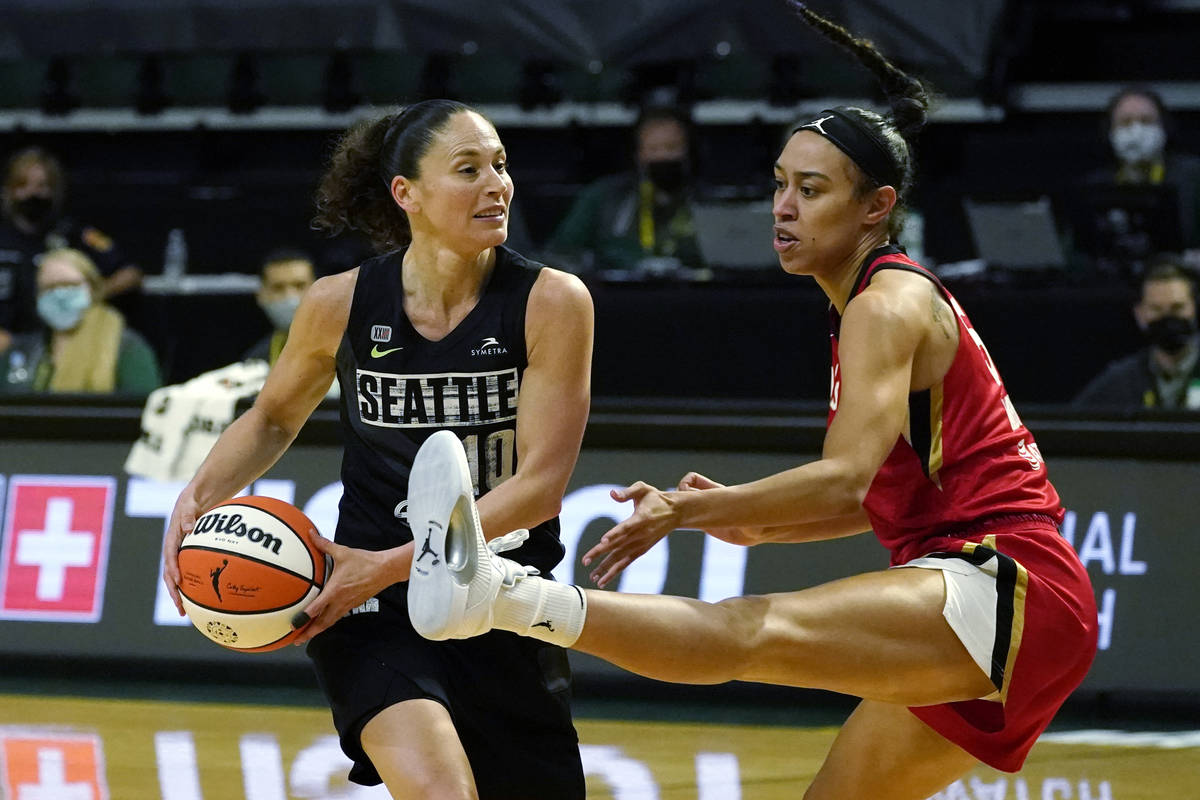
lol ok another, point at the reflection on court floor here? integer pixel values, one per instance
(103, 749)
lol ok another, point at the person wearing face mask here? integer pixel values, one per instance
(32, 221)
(85, 346)
(639, 220)
(1139, 133)
(1165, 374)
(172, 446)
(286, 275)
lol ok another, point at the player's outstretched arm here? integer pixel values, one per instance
(256, 440)
(834, 528)
(880, 334)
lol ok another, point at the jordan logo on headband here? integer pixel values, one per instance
(817, 123)
(847, 130)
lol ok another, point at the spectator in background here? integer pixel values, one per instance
(639, 220)
(1140, 134)
(32, 220)
(85, 345)
(286, 275)
(1165, 373)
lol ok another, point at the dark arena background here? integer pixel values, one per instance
(193, 134)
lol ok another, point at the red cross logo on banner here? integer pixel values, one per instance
(54, 547)
(52, 767)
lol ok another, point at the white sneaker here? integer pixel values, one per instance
(455, 576)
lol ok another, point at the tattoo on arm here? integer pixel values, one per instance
(940, 318)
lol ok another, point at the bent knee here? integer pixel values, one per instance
(747, 615)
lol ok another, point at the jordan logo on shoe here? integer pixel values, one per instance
(427, 550)
(544, 624)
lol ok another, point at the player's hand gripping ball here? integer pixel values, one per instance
(245, 570)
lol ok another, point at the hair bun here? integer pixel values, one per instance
(909, 115)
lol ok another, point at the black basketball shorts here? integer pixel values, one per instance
(509, 698)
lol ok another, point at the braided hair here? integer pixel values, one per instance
(907, 97)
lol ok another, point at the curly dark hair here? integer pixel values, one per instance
(908, 98)
(355, 190)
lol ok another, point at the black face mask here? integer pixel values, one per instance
(669, 176)
(35, 208)
(1170, 334)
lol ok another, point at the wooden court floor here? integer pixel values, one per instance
(88, 748)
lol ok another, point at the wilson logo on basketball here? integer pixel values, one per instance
(246, 570)
(232, 525)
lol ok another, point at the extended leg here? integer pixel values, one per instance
(880, 635)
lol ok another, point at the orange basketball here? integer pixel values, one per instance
(245, 570)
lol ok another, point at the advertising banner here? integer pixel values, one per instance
(80, 546)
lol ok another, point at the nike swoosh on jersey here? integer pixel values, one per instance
(377, 353)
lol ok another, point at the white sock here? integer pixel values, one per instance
(542, 609)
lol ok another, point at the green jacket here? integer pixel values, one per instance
(24, 367)
(603, 229)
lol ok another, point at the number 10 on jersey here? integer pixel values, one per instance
(492, 458)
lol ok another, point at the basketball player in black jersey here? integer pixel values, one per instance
(448, 330)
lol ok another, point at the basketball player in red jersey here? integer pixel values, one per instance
(966, 648)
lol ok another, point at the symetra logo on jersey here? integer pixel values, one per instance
(489, 347)
(455, 398)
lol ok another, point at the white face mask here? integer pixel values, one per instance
(281, 311)
(1137, 142)
(62, 307)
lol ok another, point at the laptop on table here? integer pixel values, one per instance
(1015, 234)
(736, 235)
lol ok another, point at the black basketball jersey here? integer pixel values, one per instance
(398, 388)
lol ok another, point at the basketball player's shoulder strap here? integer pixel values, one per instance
(379, 281)
(889, 256)
(379, 276)
(514, 279)
(514, 272)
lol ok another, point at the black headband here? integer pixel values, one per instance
(853, 138)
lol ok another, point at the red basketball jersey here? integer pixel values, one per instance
(966, 456)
